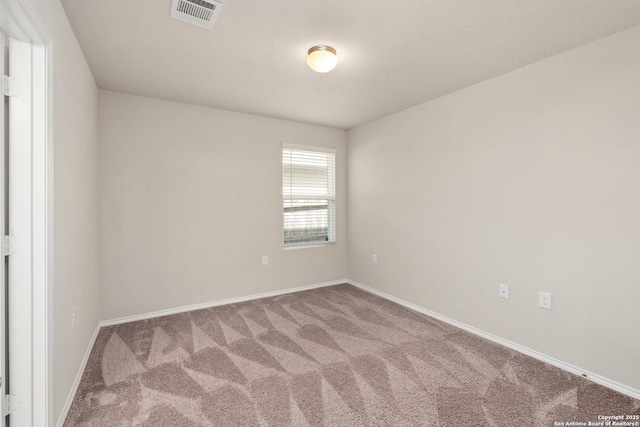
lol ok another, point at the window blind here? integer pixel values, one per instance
(308, 192)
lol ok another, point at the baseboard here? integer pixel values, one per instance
(85, 359)
(76, 381)
(629, 391)
(219, 302)
(598, 379)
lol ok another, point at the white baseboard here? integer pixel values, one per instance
(85, 359)
(598, 379)
(76, 381)
(629, 391)
(219, 302)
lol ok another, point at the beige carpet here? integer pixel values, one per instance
(334, 356)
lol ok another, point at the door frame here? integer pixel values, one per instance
(21, 21)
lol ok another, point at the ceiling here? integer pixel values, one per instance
(391, 55)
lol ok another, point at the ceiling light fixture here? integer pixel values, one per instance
(322, 59)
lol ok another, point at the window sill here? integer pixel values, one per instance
(318, 245)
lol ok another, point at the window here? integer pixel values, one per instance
(308, 193)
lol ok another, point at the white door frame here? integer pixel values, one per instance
(31, 217)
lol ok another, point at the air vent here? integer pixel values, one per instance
(197, 12)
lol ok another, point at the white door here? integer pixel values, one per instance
(25, 216)
(15, 272)
(18, 265)
(4, 368)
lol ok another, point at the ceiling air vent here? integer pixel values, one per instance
(197, 12)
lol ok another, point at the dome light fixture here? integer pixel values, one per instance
(322, 59)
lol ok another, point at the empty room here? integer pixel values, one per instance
(320, 213)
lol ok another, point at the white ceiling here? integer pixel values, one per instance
(391, 55)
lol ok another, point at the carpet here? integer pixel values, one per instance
(334, 356)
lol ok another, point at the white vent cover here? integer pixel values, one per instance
(197, 12)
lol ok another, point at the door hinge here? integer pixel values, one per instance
(10, 86)
(8, 245)
(10, 404)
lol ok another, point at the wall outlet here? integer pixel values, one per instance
(544, 300)
(374, 258)
(73, 318)
(504, 291)
(265, 260)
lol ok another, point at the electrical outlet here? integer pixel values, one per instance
(73, 318)
(544, 300)
(374, 258)
(504, 291)
(265, 260)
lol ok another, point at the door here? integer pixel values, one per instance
(15, 237)
(18, 226)
(26, 217)
(4, 368)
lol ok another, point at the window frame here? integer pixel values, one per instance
(332, 216)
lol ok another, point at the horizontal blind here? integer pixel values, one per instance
(308, 191)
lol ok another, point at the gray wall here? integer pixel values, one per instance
(530, 179)
(191, 198)
(75, 104)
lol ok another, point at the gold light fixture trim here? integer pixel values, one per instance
(321, 58)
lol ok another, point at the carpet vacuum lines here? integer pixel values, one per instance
(332, 356)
